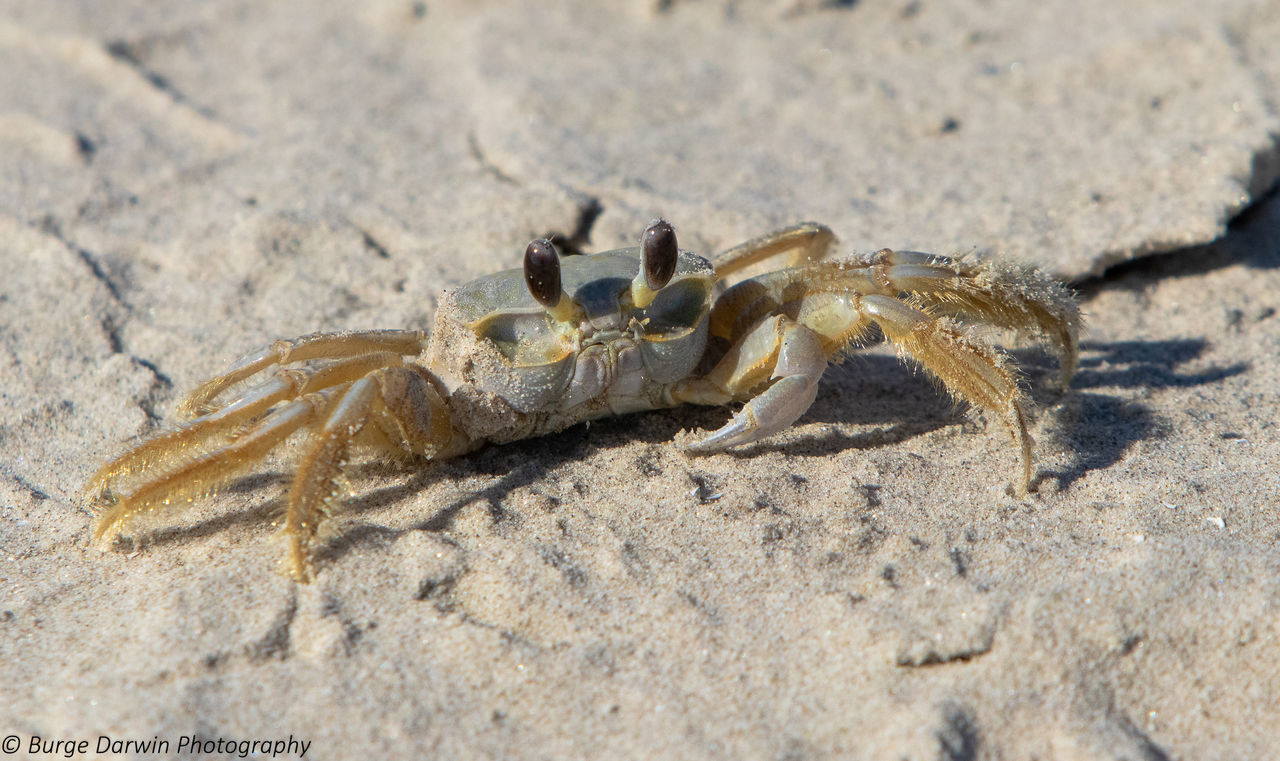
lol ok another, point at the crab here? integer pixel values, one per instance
(531, 351)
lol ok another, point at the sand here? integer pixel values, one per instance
(185, 182)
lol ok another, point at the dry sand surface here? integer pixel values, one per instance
(183, 182)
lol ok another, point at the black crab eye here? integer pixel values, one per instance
(658, 254)
(542, 272)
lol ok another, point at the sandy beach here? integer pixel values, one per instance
(184, 183)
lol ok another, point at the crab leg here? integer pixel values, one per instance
(315, 346)
(170, 449)
(777, 325)
(998, 295)
(995, 294)
(202, 473)
(971, 370)
(809, 241)
(407, 412)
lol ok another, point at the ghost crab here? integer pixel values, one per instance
(526, 352)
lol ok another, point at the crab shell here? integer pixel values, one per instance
(511, 369)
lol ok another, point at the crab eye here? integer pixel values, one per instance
(542, 272)
(658, 253)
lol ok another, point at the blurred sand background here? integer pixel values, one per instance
(183, 182)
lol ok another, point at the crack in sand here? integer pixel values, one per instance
(1160, 263)
(91, 261)
(36, 492)
(372, 243)
(127, 53)
(486, 164)
(275, 643)
(116, 68)
(110, 320)
(936, 656)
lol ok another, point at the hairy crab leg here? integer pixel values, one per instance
(970, 369)
(808, 242)
(315, 346)
(170, 449)
(408, 412)
(836, 302)
(201, 474)
(998, 294)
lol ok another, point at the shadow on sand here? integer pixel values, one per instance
(1099, 427)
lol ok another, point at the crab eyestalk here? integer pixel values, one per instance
(542, 276)
(658, 255)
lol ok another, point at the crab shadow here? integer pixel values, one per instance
(511, 467)
(258, 515)
(1099, 427)
(866, 402)
(1095, 421)
(901, 405)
